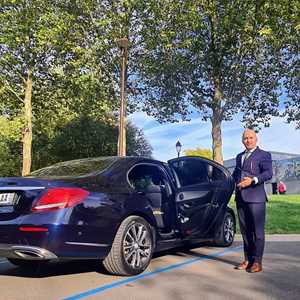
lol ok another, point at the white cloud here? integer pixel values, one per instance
(197, 133)
(281, 137)
(141, 119)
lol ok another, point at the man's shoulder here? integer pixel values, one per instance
(263, 153)
(240, 154)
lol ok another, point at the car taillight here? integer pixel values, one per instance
(57, 198)
(34, 229)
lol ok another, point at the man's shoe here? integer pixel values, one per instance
(256, 267)
(243, 265)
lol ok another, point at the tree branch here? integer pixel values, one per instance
(9, 88)
(13, 68)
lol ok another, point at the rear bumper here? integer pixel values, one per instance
(60, 242)
(25, 252)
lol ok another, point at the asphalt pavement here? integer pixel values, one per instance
(198, 273)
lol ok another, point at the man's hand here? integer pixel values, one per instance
(246, 181)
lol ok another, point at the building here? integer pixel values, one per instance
(286, 168)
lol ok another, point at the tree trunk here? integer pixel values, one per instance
(27, 134)
(216, 121)
(216, 133)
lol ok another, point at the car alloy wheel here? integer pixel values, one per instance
(132, 247)
(228, 229)
(225, 235)
(137, 245)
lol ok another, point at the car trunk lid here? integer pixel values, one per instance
(17, 195)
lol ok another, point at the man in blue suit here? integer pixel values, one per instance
(253, 168)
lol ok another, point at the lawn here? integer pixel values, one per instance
(283, 214)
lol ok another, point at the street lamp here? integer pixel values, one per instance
(178, 148)
(123, 45)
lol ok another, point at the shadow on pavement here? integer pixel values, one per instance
(85, 266)
(55, 269)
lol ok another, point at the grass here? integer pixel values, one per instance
(283, 214)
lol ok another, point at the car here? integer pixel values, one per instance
(118, 210)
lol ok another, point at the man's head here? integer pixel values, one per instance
(249, 139)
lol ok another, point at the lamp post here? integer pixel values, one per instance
(178, 148)
(123, 45)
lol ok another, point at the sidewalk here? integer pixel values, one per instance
(276, 237)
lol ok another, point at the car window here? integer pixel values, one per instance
(78, 167)
(142, 176)
(191, 171)
(216, 174)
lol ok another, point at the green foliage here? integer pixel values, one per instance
(10, 159)
(70, 50)
(199, 152)
(282, 214)
(80, 138)
(280, 28)
(65, 49)
(86, 137)
(137, 144)
(219, 58)
(11, 129)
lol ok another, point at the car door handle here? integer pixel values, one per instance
(187, 205)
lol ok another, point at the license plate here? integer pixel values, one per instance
(8, 199)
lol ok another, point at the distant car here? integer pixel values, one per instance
(118, 210)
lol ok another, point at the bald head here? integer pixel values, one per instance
(249, 139)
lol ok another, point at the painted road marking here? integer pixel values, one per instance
(118, 283)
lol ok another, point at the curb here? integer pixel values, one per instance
(276, 237)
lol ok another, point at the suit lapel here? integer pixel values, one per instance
(240, 160)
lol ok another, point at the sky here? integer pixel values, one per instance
(280, 136)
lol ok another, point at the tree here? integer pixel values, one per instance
(52, 65)
(199, 152)
(30, 36)
(86, 137)
(280, 29)
(212, 56)
(10, 132)
(137, 144)
(287, 38)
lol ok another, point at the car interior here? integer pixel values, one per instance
(149, 180)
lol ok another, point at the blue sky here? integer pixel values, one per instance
(279, 136)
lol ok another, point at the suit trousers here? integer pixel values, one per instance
(252, 225)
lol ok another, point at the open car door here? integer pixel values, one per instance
(203, 192)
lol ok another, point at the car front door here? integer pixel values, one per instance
(196, 195)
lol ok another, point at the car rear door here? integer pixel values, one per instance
(198, 195)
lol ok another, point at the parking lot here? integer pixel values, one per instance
(198, 273)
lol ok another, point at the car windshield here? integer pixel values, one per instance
(78, 167)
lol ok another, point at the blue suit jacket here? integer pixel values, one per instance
(258, 165)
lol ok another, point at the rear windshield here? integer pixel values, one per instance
(78, 167)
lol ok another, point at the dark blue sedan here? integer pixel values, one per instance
(118, 210)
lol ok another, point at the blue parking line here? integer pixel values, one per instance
(148, 274)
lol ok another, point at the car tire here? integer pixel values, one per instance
(28, 264)
(132, 248)
(225, 236)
